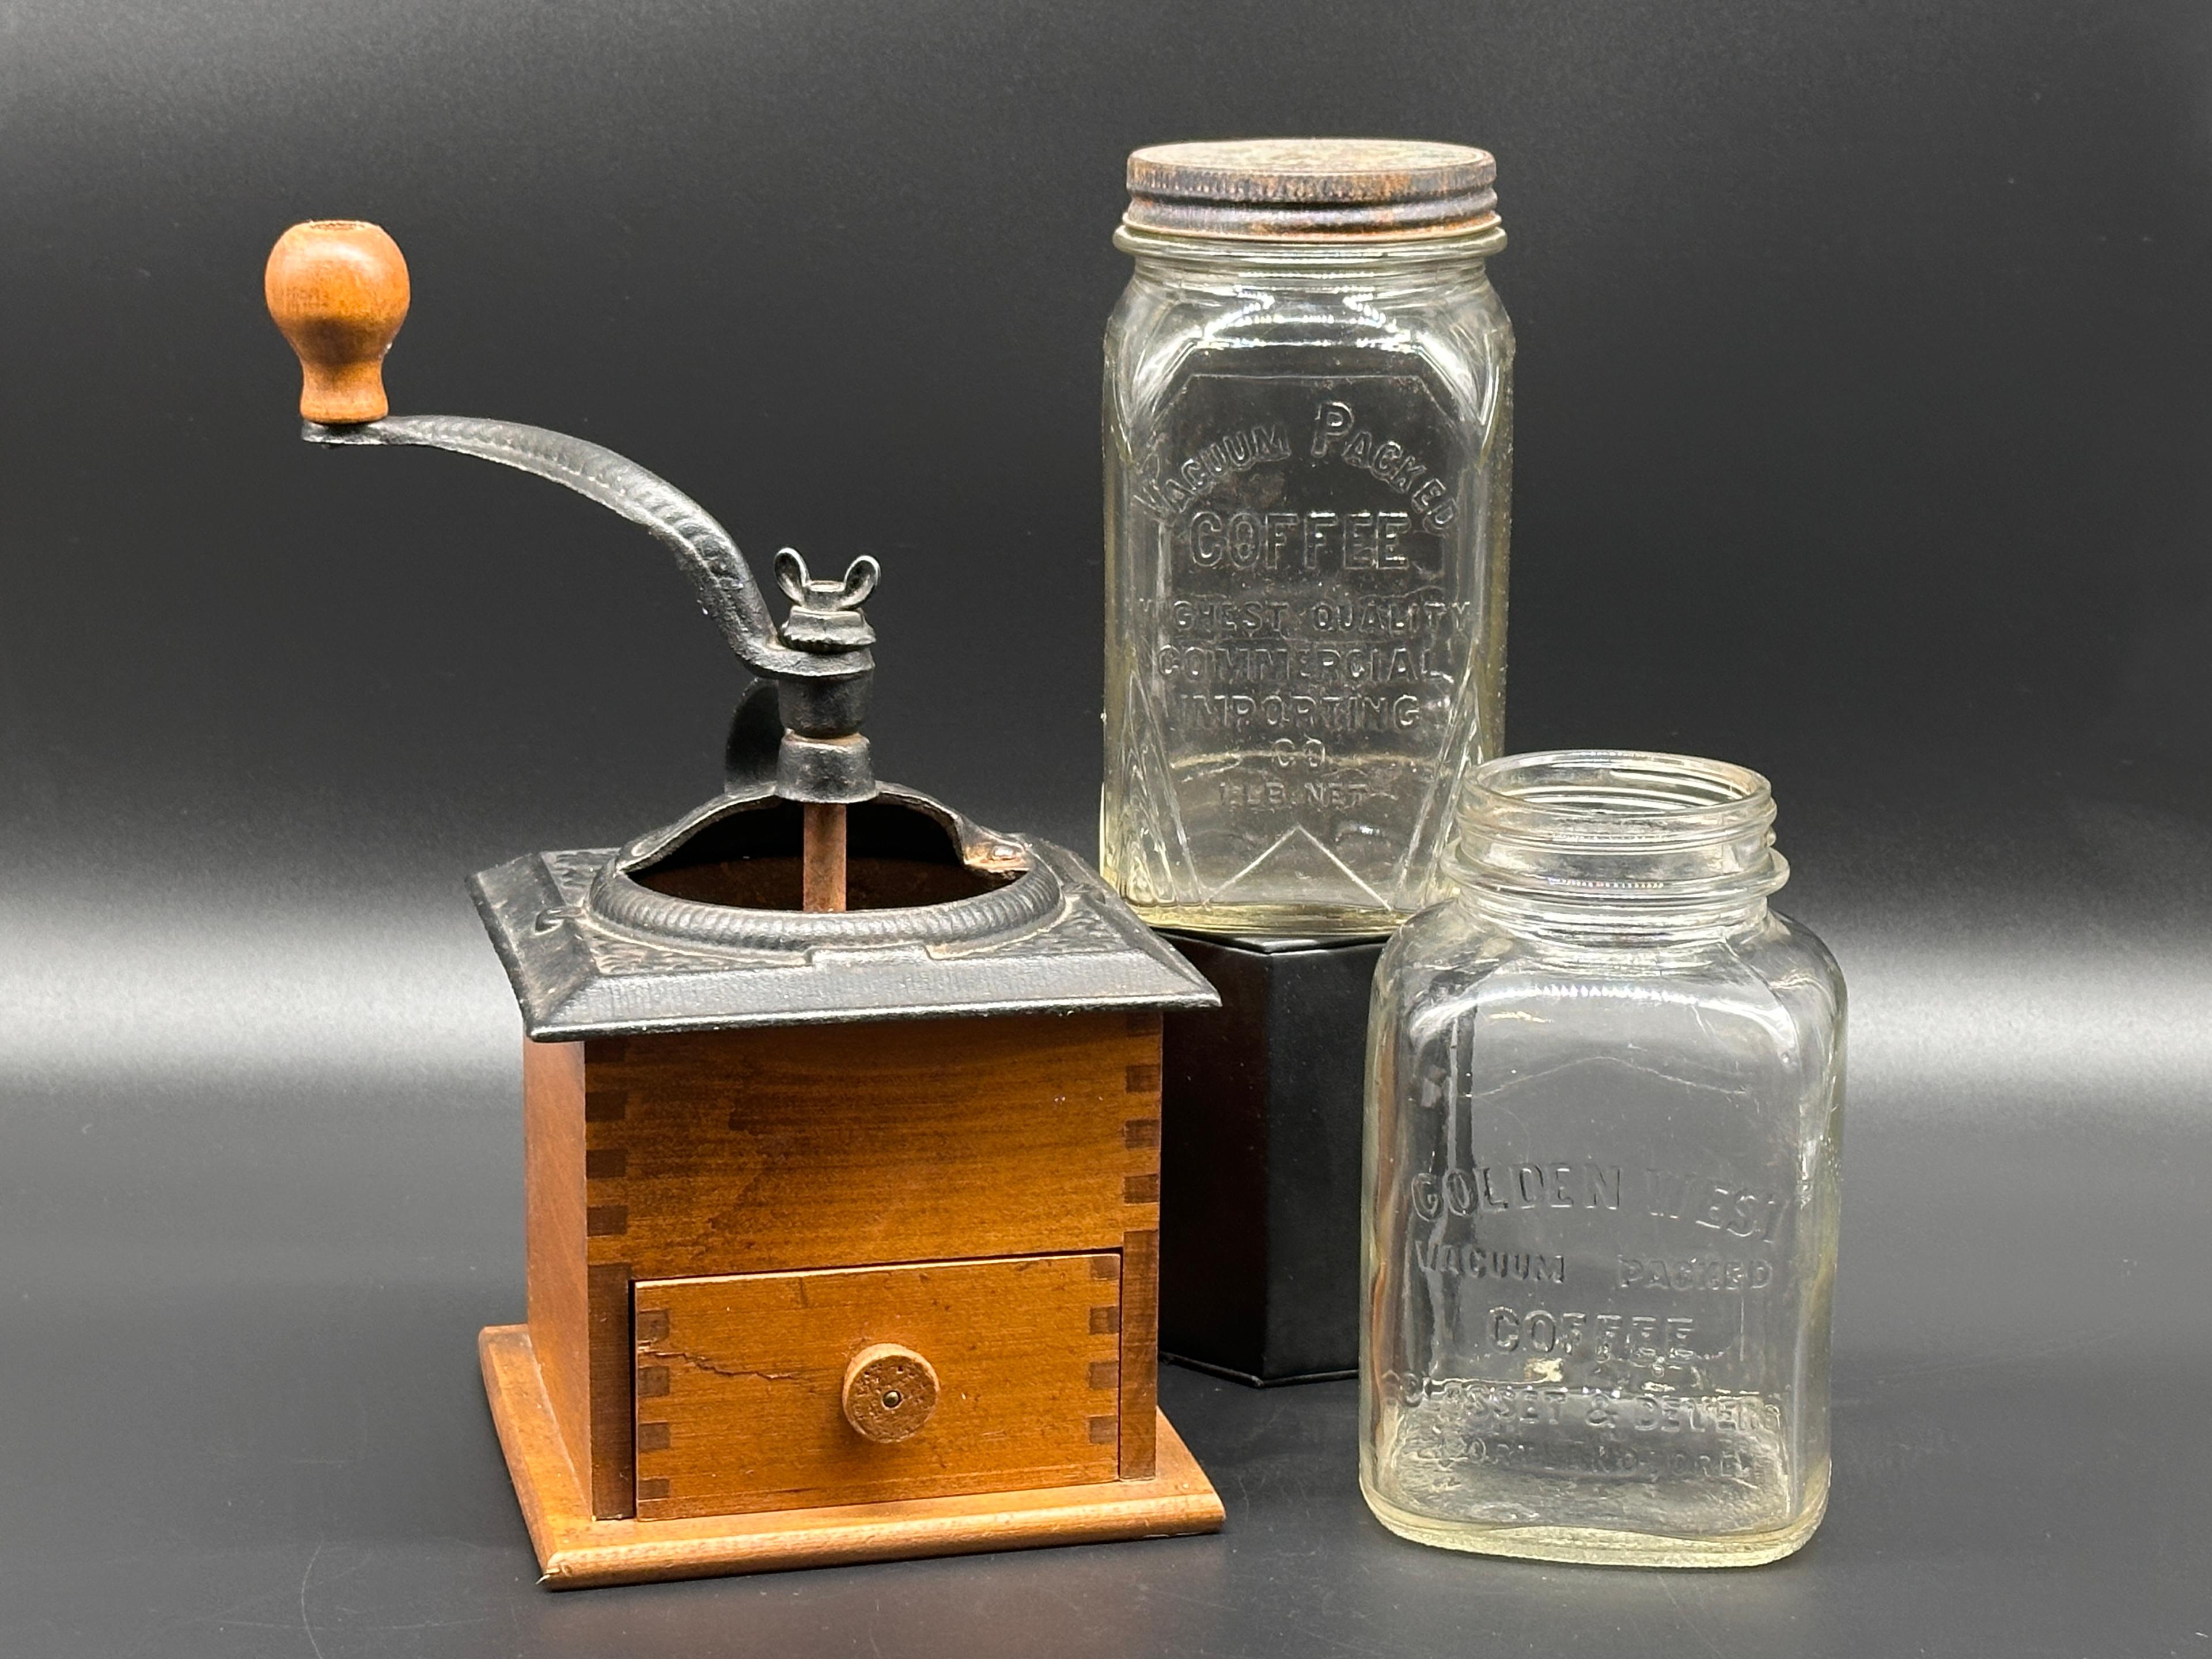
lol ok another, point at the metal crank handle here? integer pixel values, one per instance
(338, 290)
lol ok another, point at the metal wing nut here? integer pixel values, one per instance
(825, 616)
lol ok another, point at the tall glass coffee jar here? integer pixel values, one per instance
(1605, 1092)
(1307, 442)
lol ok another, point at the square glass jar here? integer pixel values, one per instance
(1605, 1092)
(1308, 443)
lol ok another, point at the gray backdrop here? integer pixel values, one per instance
(1863, 425)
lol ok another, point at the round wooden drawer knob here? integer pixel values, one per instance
(890, 1392)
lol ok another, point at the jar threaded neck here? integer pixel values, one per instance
(1610, 839)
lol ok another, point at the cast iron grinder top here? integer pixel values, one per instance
(907, 909)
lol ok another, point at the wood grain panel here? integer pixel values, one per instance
(553, 1233)
(1140, 1350)
(740, 1397)
(613, 1470)
(902, 1140)
(1140, 1262)
(612, 1467)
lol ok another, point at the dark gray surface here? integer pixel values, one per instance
(1863, 421)
(242, 1416)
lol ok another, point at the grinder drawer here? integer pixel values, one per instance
(790, 1390)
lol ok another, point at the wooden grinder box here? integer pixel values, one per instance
(835, 1290)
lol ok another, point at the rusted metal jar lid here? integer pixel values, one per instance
(1311, 187)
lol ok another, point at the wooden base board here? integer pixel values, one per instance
(576, 1551)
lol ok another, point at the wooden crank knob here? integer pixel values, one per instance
(338, 287)
(889, 1393)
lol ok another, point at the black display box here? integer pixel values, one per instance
(1260, 1168)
